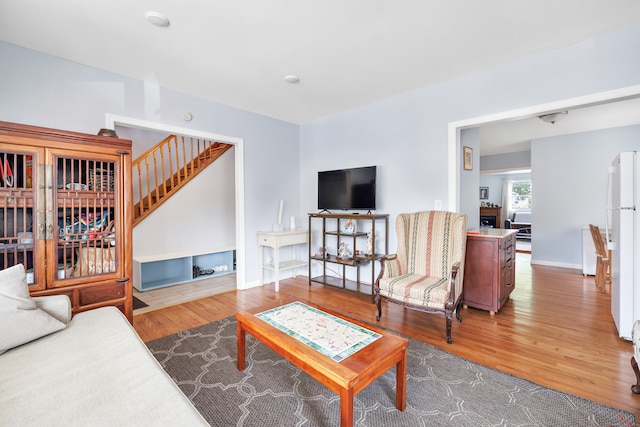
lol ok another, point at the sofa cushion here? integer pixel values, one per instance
(416, 289)
(21, 320)
(96, 372)
(58, 306)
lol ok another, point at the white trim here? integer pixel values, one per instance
(558, 264)
(112, 120)
(521, 113)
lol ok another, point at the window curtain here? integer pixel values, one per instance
(507, 209)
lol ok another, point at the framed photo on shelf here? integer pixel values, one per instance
(349, 227)
(468, 158)
(484, 193)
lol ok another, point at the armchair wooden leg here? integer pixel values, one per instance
(636, 387)
(379, 305)
(448, 317)
(458, 315)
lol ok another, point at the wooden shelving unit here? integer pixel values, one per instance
(333, 234)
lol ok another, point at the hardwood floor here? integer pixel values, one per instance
(556, 330)
(178, 294)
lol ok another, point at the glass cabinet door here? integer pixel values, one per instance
(86, 217)
(19, 242)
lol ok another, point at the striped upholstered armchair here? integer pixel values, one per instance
(427, 271)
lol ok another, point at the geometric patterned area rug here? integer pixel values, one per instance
(442, 389)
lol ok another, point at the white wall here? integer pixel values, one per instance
(406, 136)
(210, 198)
(469, 179)
(569, 180)
(501, 162)
(46, 91)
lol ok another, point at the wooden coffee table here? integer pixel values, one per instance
(345, 378)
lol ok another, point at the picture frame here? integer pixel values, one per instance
(349, 227)
(468, 158)
(484, 193)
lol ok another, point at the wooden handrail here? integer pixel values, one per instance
(165, 168)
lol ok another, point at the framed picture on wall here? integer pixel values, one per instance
(484, 193)
(468, 158)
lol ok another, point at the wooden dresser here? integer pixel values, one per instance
(490, 268)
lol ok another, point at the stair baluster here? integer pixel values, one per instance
(162, 179)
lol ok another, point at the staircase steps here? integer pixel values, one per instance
(165, 168)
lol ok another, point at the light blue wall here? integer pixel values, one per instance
(569, 181)
(516, 160)
(406, 136)
(469, 179)
(46, 91)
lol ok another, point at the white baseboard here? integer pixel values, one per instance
(557, 264)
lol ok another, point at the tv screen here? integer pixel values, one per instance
(347, 189)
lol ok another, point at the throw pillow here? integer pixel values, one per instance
(21, 320)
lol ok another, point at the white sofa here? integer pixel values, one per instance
(94, 372)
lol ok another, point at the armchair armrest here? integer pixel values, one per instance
(58, 306)
(453, 295)
(383, 264)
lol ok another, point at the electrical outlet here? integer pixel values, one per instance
(438, 205)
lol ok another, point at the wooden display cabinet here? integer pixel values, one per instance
(334, 232)
(65, 214)
(490, 268)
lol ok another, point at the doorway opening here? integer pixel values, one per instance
(113, 121)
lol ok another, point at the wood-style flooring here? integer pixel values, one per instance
(177, 294)
(556, 330)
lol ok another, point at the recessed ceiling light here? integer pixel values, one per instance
(292, 79)
(157, 19)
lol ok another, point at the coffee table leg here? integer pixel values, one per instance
(401, 382)
(346, 408)
(241, 347)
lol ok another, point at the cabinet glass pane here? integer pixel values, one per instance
(17, 211)
(85, 201)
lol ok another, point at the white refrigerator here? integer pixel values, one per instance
(622, 215)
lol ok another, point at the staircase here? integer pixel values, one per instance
(168, 166)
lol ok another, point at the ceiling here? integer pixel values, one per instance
(516, 135)
(346, 53)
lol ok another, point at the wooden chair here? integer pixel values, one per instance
(603, 260)
(426, 273)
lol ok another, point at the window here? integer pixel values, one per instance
(521, 195)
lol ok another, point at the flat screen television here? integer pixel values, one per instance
(345, 189)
